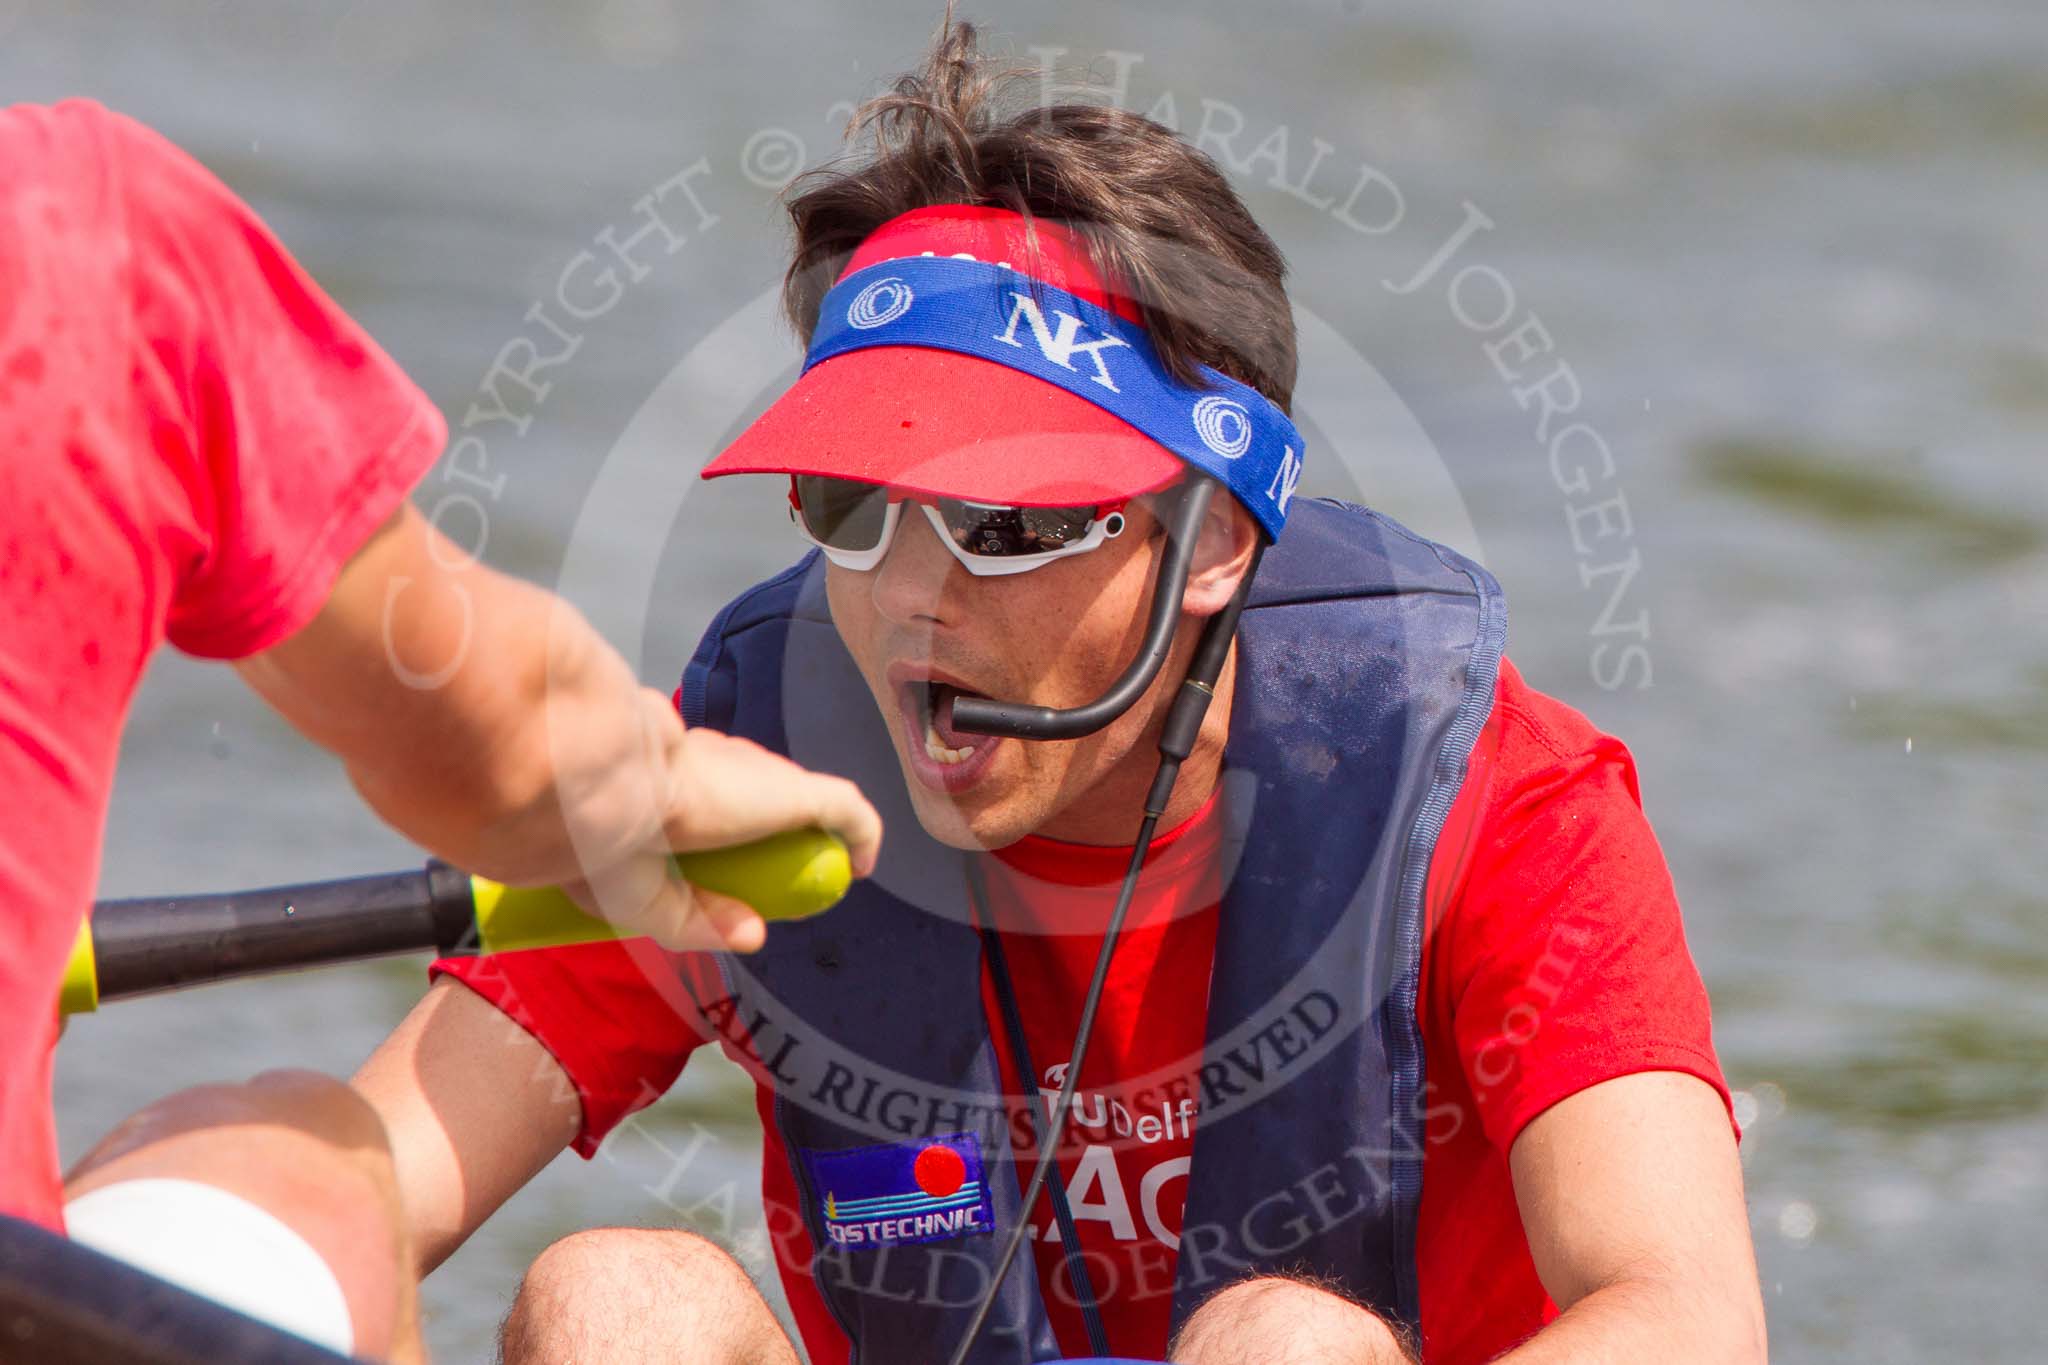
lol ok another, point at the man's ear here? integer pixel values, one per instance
(1223, 552)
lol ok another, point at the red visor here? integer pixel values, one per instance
(945, 424)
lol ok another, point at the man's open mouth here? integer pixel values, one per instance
(928, 711)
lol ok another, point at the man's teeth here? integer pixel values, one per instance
(937, 751)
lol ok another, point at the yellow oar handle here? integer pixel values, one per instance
(80, 993)
(785, 876)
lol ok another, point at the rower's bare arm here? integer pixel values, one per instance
(485, 719)
(1631, 1194)
(474, 1108)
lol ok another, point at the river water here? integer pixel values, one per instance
(1791, 252)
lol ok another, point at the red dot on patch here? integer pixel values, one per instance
(939, 1171)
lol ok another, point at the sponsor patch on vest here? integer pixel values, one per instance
(896, 1193)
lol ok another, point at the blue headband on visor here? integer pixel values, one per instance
(1225, 429)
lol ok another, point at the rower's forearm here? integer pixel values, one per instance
(1649, 1318)
(538, 713)
(473, 1108)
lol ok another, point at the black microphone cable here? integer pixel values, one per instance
(1176, 742)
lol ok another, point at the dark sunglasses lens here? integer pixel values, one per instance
(1007, 532)
(841, 513)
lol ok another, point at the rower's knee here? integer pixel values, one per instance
(1257, 1321)
(305, 1149)
(300, 1144)
(632, 1294)
(303, 1108)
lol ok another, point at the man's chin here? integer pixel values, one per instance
(966, 822)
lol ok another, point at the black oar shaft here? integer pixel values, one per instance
(161, 943)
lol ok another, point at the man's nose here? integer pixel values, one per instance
(917, 581)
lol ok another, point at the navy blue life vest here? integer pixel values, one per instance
(1366, 668)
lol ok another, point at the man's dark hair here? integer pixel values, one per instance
(1161, 222)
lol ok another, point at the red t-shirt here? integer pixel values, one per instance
(1555, 960)
(193, 440)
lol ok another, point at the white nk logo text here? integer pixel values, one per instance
(1060, 347)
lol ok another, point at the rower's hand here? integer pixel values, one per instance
(715, 790)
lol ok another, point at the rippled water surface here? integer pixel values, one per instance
(1792, 252)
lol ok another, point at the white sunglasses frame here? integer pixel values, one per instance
(1102, 529)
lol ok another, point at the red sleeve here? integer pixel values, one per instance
(1557, 947)
(293, 434)
(621, 1018)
